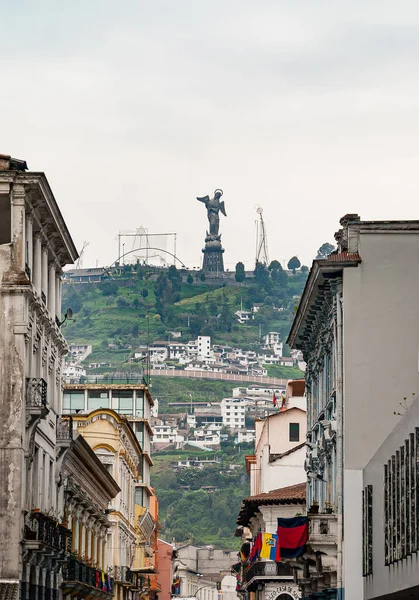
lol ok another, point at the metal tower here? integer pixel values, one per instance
(261, 239)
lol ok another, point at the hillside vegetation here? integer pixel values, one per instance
(190, 513)
(143, 304)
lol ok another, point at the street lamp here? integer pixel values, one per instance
(202, 588)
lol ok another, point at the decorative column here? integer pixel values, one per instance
(29, 243)
(58, 307)
(51, 289)
(37, 262)
(18, 226)
(81, 540)
(44, 271)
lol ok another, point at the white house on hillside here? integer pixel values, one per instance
(233, 411)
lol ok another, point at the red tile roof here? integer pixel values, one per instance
(290, 493)
(344, 257)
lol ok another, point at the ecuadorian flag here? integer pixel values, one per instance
(270, 548)
(292, 536)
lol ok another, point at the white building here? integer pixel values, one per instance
(244, 316)
(166, 434)
(79, 352)
(204, 347)
(233, 412)
(346, 317)
(279, 451)
(244, 436)
(176, 350)
(73, 372)
(273, 341)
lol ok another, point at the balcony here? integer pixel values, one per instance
(64, 431)
(43, 534)
(36, 399)
(266, 571)
(84, 581)
(125, 576)
(322, 536)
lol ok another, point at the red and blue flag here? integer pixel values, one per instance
(256, 548)
(292, 536)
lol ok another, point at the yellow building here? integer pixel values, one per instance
(112, 439)
(88, 489)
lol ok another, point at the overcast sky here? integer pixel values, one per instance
(307, 108)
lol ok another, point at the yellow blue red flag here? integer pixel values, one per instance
(269, 548)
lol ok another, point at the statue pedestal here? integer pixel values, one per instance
(213, 255)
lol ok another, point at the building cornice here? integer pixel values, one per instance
(38, 181)
(321, 271)
(92, 463)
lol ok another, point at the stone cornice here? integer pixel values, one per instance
(321, 271)
(89, 464)
(126, 436)
(38, 182)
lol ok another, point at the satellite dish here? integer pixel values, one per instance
(69, 314)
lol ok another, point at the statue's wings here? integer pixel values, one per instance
(222, 208)
(204, 199)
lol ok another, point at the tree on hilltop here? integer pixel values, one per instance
(240, 272)
(294, 264)
(261, 273)
(275, 265)
(324, 250)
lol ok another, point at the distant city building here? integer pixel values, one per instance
(93, 275)
(233, 412)
(73, 372)
(244, 436)
(79, 352)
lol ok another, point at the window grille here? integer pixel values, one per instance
(401, 498)
(367, 531)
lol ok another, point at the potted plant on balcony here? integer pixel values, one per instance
(314, 508)
(328, 508)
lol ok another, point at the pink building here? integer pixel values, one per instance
(165, 569)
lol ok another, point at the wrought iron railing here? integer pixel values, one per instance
(267, 569)
(64, 429)
(36, 393)
(43, 528)
(125, 575)
(43, 297)
(76, 570)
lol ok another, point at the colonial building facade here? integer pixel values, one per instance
(355, 302)
(87, 490)
(35, 245)
(267, 579)
(132, 526)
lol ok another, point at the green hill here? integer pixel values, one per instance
(202, 516)
(141, 304)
